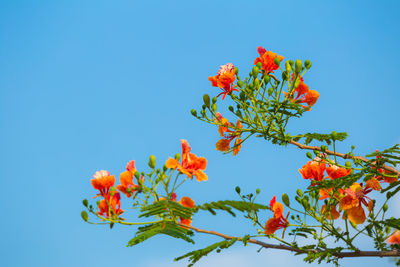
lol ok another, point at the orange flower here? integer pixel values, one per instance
(110, 205)
(394, 238)
(191, 164)
(351, 203)
(335, 172)
(303, 94)
(374, 184)
(103, 182)
(126, 180)
(188, 203)
(228, 135)
(267, 59)
(224, 79)
(313, 170)
(278, 221)
(331, 214)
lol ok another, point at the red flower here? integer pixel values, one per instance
(394, 238)
(224, 79)
(188, 203)
(126, 179)
(267, 59)
(335, 172)
(110, 206)
(278, 221)
(191, 164)
(313, 170)
(228, 135)
(103, 182)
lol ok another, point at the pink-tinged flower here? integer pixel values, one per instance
(131, 166)
(267, 59)
(103, 182)
(224, 79)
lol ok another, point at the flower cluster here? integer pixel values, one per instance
(224, 79)
(228, 135)
(302, 93)
(278, 221)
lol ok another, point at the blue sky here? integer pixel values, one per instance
(89, 85)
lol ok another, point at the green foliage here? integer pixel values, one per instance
(165, 227)
(328, 138)
(195, 256)
(166, 208)
(228, 205)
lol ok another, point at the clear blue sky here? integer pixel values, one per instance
(89, 85)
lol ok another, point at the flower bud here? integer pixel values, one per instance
(259, 65)
(387, 230)
(230, 108)
(214, 107)
(309, 155)
(324, 148)
(285, 199)
(256, 83)
(177, 156)
(267, 79)
(277, 61)
(203, 107)
(385, 207)
(299, 192)
(334, 135)
(291, 62)
(194, 112)
(85, 202)
(214, 99)
(307, 64)
(270, 91)
(236, 70)
(258, 191)
(240, 84)
(347, 164)
(84, 216)
(304, 202)
(206, 99)
(152, 161)
(242, 95)
(237, 189)
(285, 76)
(288, 67)
(298, 66)
(256, 71)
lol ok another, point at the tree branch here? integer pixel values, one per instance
(390, 253)
(345, 156)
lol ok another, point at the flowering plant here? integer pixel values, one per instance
(325, 219)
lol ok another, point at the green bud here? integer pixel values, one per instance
(347, 164)
(256, 83)
(214, 107)
(385, 207)
(237, 189)
(291, 62)
(323, 148)
(240, 84)
(387, 230)
(206, 99)
(239, 114)
(297, 82)
(304, 202)
(177, 156)
(285, 76)
(214, 99)
(230, 108)
(164, 168)
(316, 153)
(307, 64)
(334, 135)
(298, 66)
(152, 161)
(242, 95)
(84, 216)
(194, 112)
(309, 155)
(85, 202)
(259, 65)
(277, 61)
(270, 91)
(258, 191)
(267, 79)
(203, 107)
(256, 71)
(288, 67)
(299, 192)
(285, 199)
(236, 70)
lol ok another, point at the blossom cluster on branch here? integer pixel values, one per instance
(325, 220)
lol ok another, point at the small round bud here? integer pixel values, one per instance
(288, 67)
(206, 99)
(299, 192)
(270, 91)
(307, 64)
(203, 107)
(291, 62)
(256, 71)
(334, 135)
(84, 216)
(285, 199)
(256, 83)
(242, 95)
(258, 191)
(277, 61)
(385, 207)
(152, 161)
(85, 202)
(298, 66)
(309, 155)
(259, 65)
(267, 79)
(214, 107)
(323, 148)
(194, 112)
(177, 156)
(240, 84)
(237, 189)
(236, 70)
(230, 108)
(214, 99)
(137, 175)
(347, 164)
